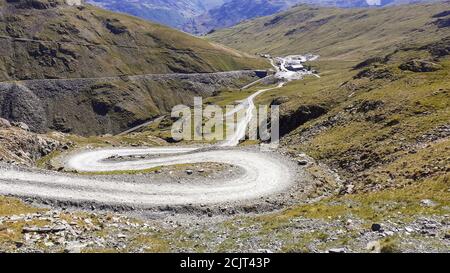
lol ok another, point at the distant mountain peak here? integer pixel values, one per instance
(173, 13)
(203, 16)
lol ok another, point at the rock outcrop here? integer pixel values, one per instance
(420, 66)
(292, 119)
(20, 146)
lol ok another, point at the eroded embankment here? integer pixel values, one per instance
(108, 105)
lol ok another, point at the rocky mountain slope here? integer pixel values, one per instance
(20, 146)
(107, 105)
(49, 39)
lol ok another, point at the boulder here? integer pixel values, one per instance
(21, 125)
(116, 27)
(280, 100)
(337, 250)
(4, 123)
(428, 203)
(74, 247)
(302, 162)
(376, 227)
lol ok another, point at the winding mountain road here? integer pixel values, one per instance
(263, 174)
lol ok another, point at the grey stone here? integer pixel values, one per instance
(54, 229)
(74, 247)
(4, 123)
(21, 125)
(337, 250)
(428, 203)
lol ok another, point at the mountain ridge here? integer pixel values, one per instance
(338, 33)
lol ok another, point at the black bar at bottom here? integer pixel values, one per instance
(172, 263)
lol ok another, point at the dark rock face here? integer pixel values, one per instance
(18, 103)
(115, 27)
(439, 49)
(442, 14)
(293, 119)
(280, 100)
(368, 62)
(367, 106)
(419, 66)
(376, 72)
(442, 23)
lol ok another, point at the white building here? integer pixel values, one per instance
(295, 67)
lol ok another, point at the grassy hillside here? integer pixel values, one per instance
(383, 125)
(49, 39)
(349, 34)
(378, 116)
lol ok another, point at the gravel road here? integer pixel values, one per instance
(263, 175)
